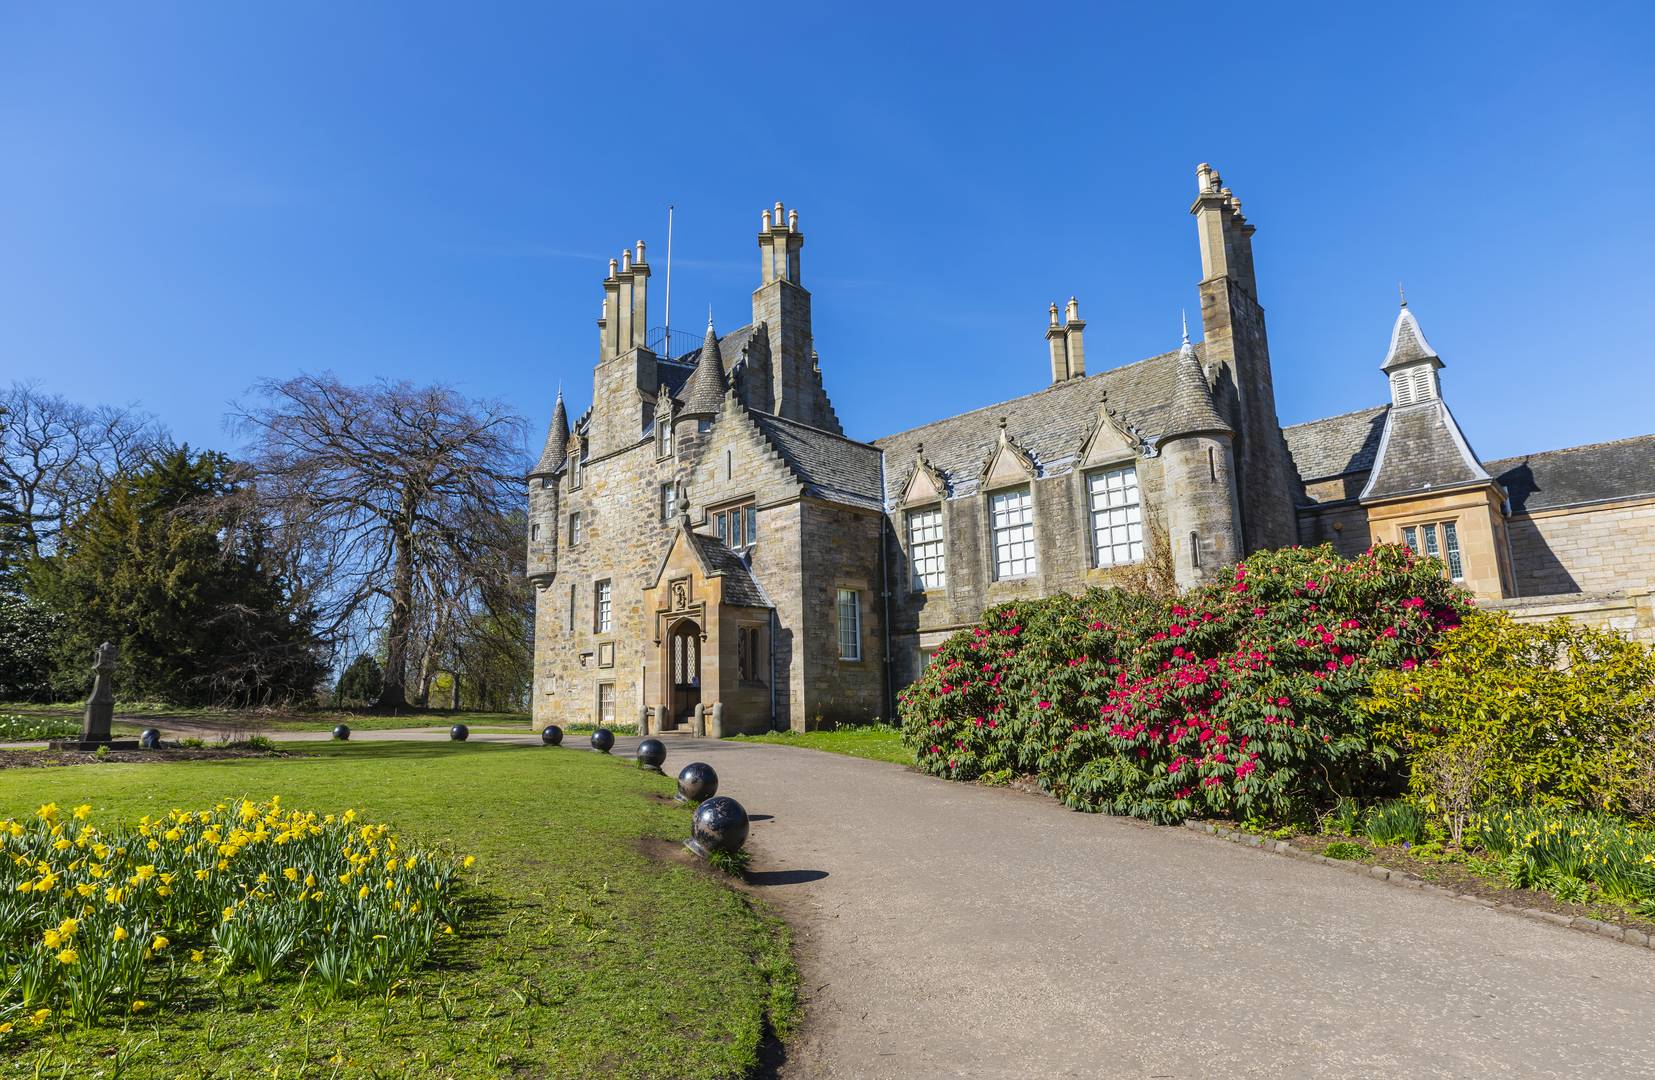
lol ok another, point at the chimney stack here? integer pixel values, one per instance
(1073, 327)
(1065, 341)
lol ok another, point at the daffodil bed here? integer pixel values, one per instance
(97, 921)
(575, 953)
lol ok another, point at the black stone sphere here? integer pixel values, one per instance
(150, 739)
(459, 733)
(603, 740)
(651, 752)
(551, 735)
(720, 824)
(697, 781)
(342, 732)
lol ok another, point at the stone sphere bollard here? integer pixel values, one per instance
(342, 732)
(651, 752)
(551, 735)
(720, 824)
(150, 739)
(459, 733)
(697, 781)
(603, 740)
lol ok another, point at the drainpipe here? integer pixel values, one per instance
(885, 596)
(772, 636)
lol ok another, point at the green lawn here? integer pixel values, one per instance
(877, 742)
(586, 948)
(138, 714)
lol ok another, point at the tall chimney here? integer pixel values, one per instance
(1073, 327)
(1059, 348)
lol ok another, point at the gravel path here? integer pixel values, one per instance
(948, 930)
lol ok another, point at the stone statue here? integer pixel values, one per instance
(100, 707)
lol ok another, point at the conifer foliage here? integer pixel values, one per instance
(166, 565)
(1239, 697)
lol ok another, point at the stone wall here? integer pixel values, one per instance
(1633, 614)
(841, 548)
(623, 541)
(1588, 549)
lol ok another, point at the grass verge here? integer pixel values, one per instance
(579, 953)
(877, 742)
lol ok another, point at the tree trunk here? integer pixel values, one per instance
(393, 693)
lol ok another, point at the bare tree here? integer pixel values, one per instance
(385, 496)
(56, 456)
(1457, 775)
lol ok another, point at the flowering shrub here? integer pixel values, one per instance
(96, 922)
(1238, 697)
(1555, 714)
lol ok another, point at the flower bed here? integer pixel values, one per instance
(16, 728)
(99, 923)
(1238, 698)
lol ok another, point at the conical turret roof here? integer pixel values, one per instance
(557, 441)
(703, 393)
(1408, 344)
(1192, 400)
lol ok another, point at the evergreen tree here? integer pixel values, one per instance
(360, 683)
(167, 564)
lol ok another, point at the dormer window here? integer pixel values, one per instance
(663, 434)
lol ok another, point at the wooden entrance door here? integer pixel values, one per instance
(684, 658)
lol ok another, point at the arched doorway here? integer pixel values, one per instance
(684, 658)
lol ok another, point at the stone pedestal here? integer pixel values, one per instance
(698, 721)
(715, 729)
(645, 715)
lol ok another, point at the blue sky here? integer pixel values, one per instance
(197, 196)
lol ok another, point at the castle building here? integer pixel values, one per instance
(707, 546)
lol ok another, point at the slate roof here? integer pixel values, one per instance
(831, 466)
(1192, 409)
(703, 394)
(1050, 424)
(1422, 449)
(1408, 344)
(730, 347)
(1599, 472)
(740, 587)
(1336, 445)
(557, 441)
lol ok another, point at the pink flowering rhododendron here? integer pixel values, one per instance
(1131, 705)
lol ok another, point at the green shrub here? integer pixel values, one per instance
(1237, 698)
(1345, 816)
(1345, 851)
(1554, 714)
(1394, 822)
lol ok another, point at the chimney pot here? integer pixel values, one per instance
(626, 259)
(766, 219)
(779, 218)
(640, 257)
(792, 221)
(1053, 312)
(1073, 311)
(612, 266)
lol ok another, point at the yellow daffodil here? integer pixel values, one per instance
(83, 811)
(40, 1016)
(197, 956)
(139, 1006)
(68, 956)
(159, 943)
(47, 812)
(120, 933)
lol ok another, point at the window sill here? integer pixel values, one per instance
(850, 659)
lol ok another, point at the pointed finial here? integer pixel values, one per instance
(560, 389)
(1403, 295)
(709, 316)
(1053, 312)
(1185, 316)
